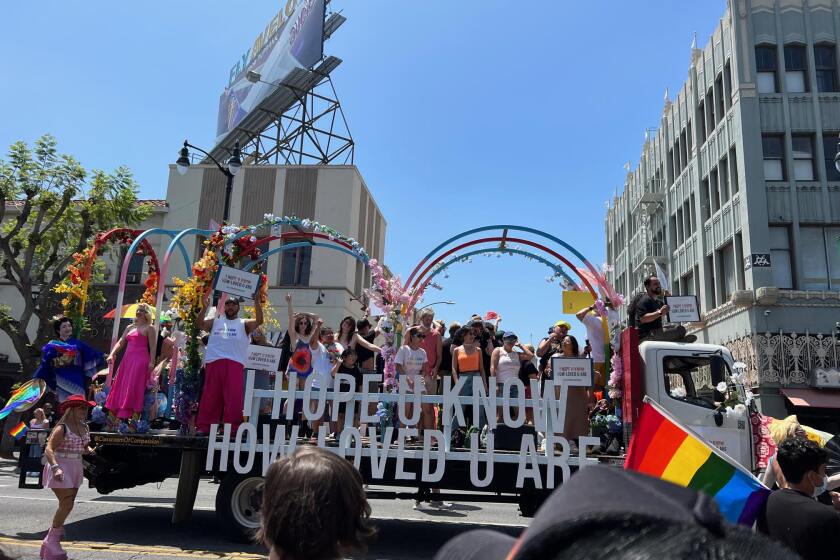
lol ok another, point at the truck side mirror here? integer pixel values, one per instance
(718, 418)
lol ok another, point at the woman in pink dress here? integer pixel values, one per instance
(136, 369)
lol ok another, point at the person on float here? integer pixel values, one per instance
(577, 400)
(433, 345)
(224, 371)
(63, 470)
(304, 332)
(595, 336)
(366, 355)
(506, 363)
(325, 362)
(359, 337)
(67, 364)
(128, 391)
(411, 362)
(467, 361)
(552, 344)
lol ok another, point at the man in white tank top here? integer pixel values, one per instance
(224, 370)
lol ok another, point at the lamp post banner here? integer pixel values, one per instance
(294, 38)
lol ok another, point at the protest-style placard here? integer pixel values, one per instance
(237, 282)
(572, 371)
(684, 309)
(263, 358)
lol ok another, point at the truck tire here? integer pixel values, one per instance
(238, 502)
(530, 503)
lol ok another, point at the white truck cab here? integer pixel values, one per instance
(685, 380)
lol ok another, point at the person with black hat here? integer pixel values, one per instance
(63, 470)
(227, 351)
(609, 513)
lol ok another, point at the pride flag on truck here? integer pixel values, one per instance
(661, 447)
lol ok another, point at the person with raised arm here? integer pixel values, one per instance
(227, 351)
(304, 334)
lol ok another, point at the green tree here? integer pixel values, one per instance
(51, 207)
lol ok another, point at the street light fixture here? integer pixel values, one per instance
(445, 302)
(234, 164)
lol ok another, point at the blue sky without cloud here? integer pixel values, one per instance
(464, 113)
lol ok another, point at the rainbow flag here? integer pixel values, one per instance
(662, 448)
(28, 393)
(18, 431)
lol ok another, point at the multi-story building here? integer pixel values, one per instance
(736, 196)
(321, 280)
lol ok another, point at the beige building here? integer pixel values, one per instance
(322, 281)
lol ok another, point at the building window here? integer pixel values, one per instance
(826, 65)
(727, 272)
(814, 265)
(710, 110)
(727, 84)
(724, 181)
(733, 170)
(719, 103)
(705, 202)
(765, 67)
(829, 151)
(803, 158)
(795, 68)
(294, 268)
(780, 257)
(135, 269)
(714, 189)
(832, 242)
(701, 120)
(774, 167)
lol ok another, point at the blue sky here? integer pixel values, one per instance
(464, 113)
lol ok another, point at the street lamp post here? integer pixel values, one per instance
(445, 302)
(234, 164)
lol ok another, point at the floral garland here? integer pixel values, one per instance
(74, 286)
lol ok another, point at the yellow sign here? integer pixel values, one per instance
(574, 301)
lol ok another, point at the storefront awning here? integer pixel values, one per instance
(818, 398)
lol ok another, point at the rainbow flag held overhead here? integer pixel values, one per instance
(26, 394)
(661, 447)
(18, 431)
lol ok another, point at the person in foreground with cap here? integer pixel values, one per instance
(227, 351)
(609, 513)
(63, 470)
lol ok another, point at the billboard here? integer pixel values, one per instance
(293, 39)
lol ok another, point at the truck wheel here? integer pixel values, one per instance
(238, 503)
(529, 504)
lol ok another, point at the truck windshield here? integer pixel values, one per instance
(694, 379)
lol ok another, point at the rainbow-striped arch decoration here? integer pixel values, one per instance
(434, 262)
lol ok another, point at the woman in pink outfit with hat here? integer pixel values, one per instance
(63, 470)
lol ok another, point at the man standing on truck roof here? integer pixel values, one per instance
(650, 309)
(224, 370)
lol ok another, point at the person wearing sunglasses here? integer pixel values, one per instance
(411, 362)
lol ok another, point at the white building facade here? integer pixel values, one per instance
(736, 196)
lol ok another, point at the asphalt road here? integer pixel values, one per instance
(135, 523)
